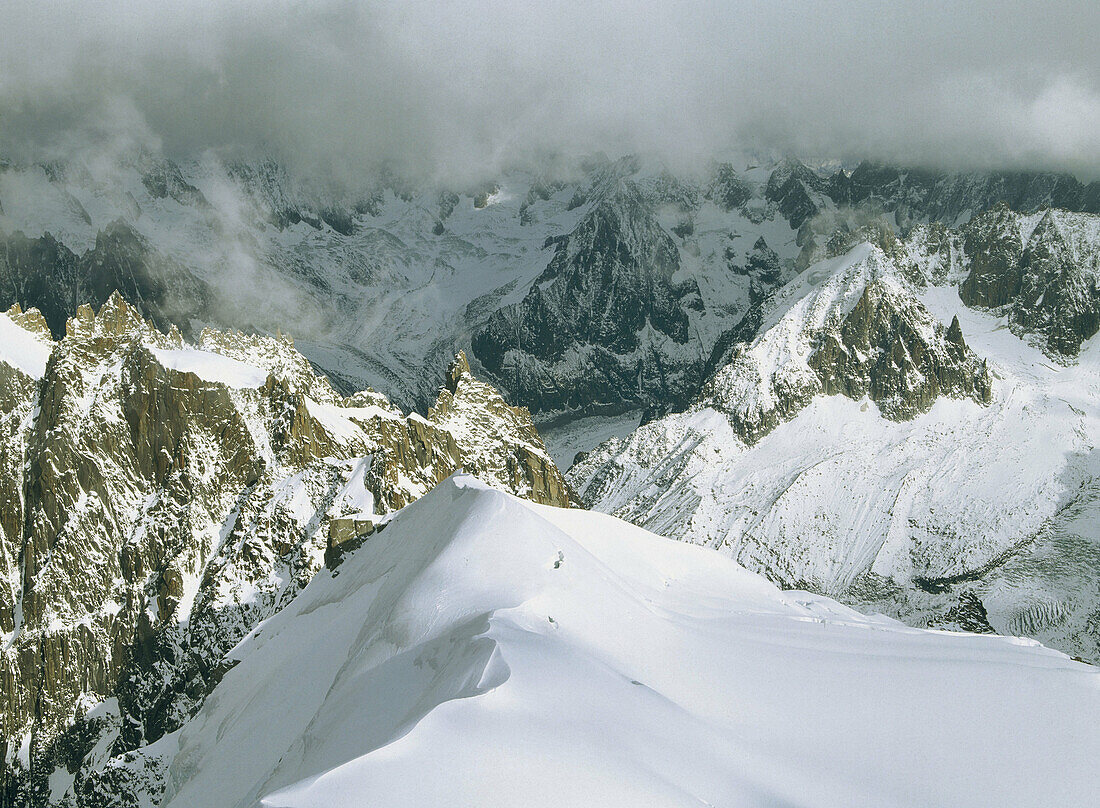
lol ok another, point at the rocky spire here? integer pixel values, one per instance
(163, 498)
(955, 333)
(459, 368)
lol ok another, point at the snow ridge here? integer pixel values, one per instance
(455, 659)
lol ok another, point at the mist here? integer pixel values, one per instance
(457, 91)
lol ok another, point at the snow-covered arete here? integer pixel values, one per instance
(486, 651)
(158, 499)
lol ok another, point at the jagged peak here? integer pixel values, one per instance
(462, 387)
(465, 398)
(793, 168)
(877, 232)
(460, 367)
(827, 332)
(1080, 232)
(30, 320)
(175, 336)
(119, 323)
(955, 334)
(1000, 219)
(115, 318)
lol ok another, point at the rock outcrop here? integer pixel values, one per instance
(606, 323)
(158, 499)
(849, 326)
(1043, 270)
(797, 192)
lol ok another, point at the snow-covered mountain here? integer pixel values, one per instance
(159, 498)
(594, 287)
(875, 384)
(876, 439)
(484, 650)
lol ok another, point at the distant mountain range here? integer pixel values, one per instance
(877, 385)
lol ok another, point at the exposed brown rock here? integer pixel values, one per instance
(149, 516)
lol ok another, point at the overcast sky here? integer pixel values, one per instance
(457, 88)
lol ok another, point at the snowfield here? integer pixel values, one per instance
(23, 349)
(211, 366)
(485, 651)
(1000, 502)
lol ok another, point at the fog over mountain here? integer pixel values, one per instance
(459, 91)
(559, 404)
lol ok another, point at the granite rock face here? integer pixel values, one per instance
(889, 349)
(849, 326)
(160, 498)
(1043, 270)
(44, 274)
(606, 323)
(797, 191)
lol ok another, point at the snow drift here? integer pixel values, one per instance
(486, 651)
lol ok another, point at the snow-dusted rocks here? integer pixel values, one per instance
(592, 288)
(852, 326)
(160, 498)
(1043, 270)
(606, 323)
(486, 651)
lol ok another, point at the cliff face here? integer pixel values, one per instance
(159, 499)
(606, 322)
(1043, 270)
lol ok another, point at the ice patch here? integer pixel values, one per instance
(211, 366)
(23, 350)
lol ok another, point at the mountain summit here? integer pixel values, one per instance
(485, 650)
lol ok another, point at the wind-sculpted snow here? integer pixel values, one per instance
(158, 499)
(211, 366)
(485, 651)
(25, 342)
(970, 485)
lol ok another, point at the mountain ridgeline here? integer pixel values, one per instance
(877, 384)
(161, 498)
(908, 425)
(605, 289)
(605, 324)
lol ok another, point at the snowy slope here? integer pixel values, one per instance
(23, 349)
(994, 499)
(484, 651)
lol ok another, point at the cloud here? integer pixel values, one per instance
(463, 88)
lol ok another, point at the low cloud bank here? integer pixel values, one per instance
(458, 90)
